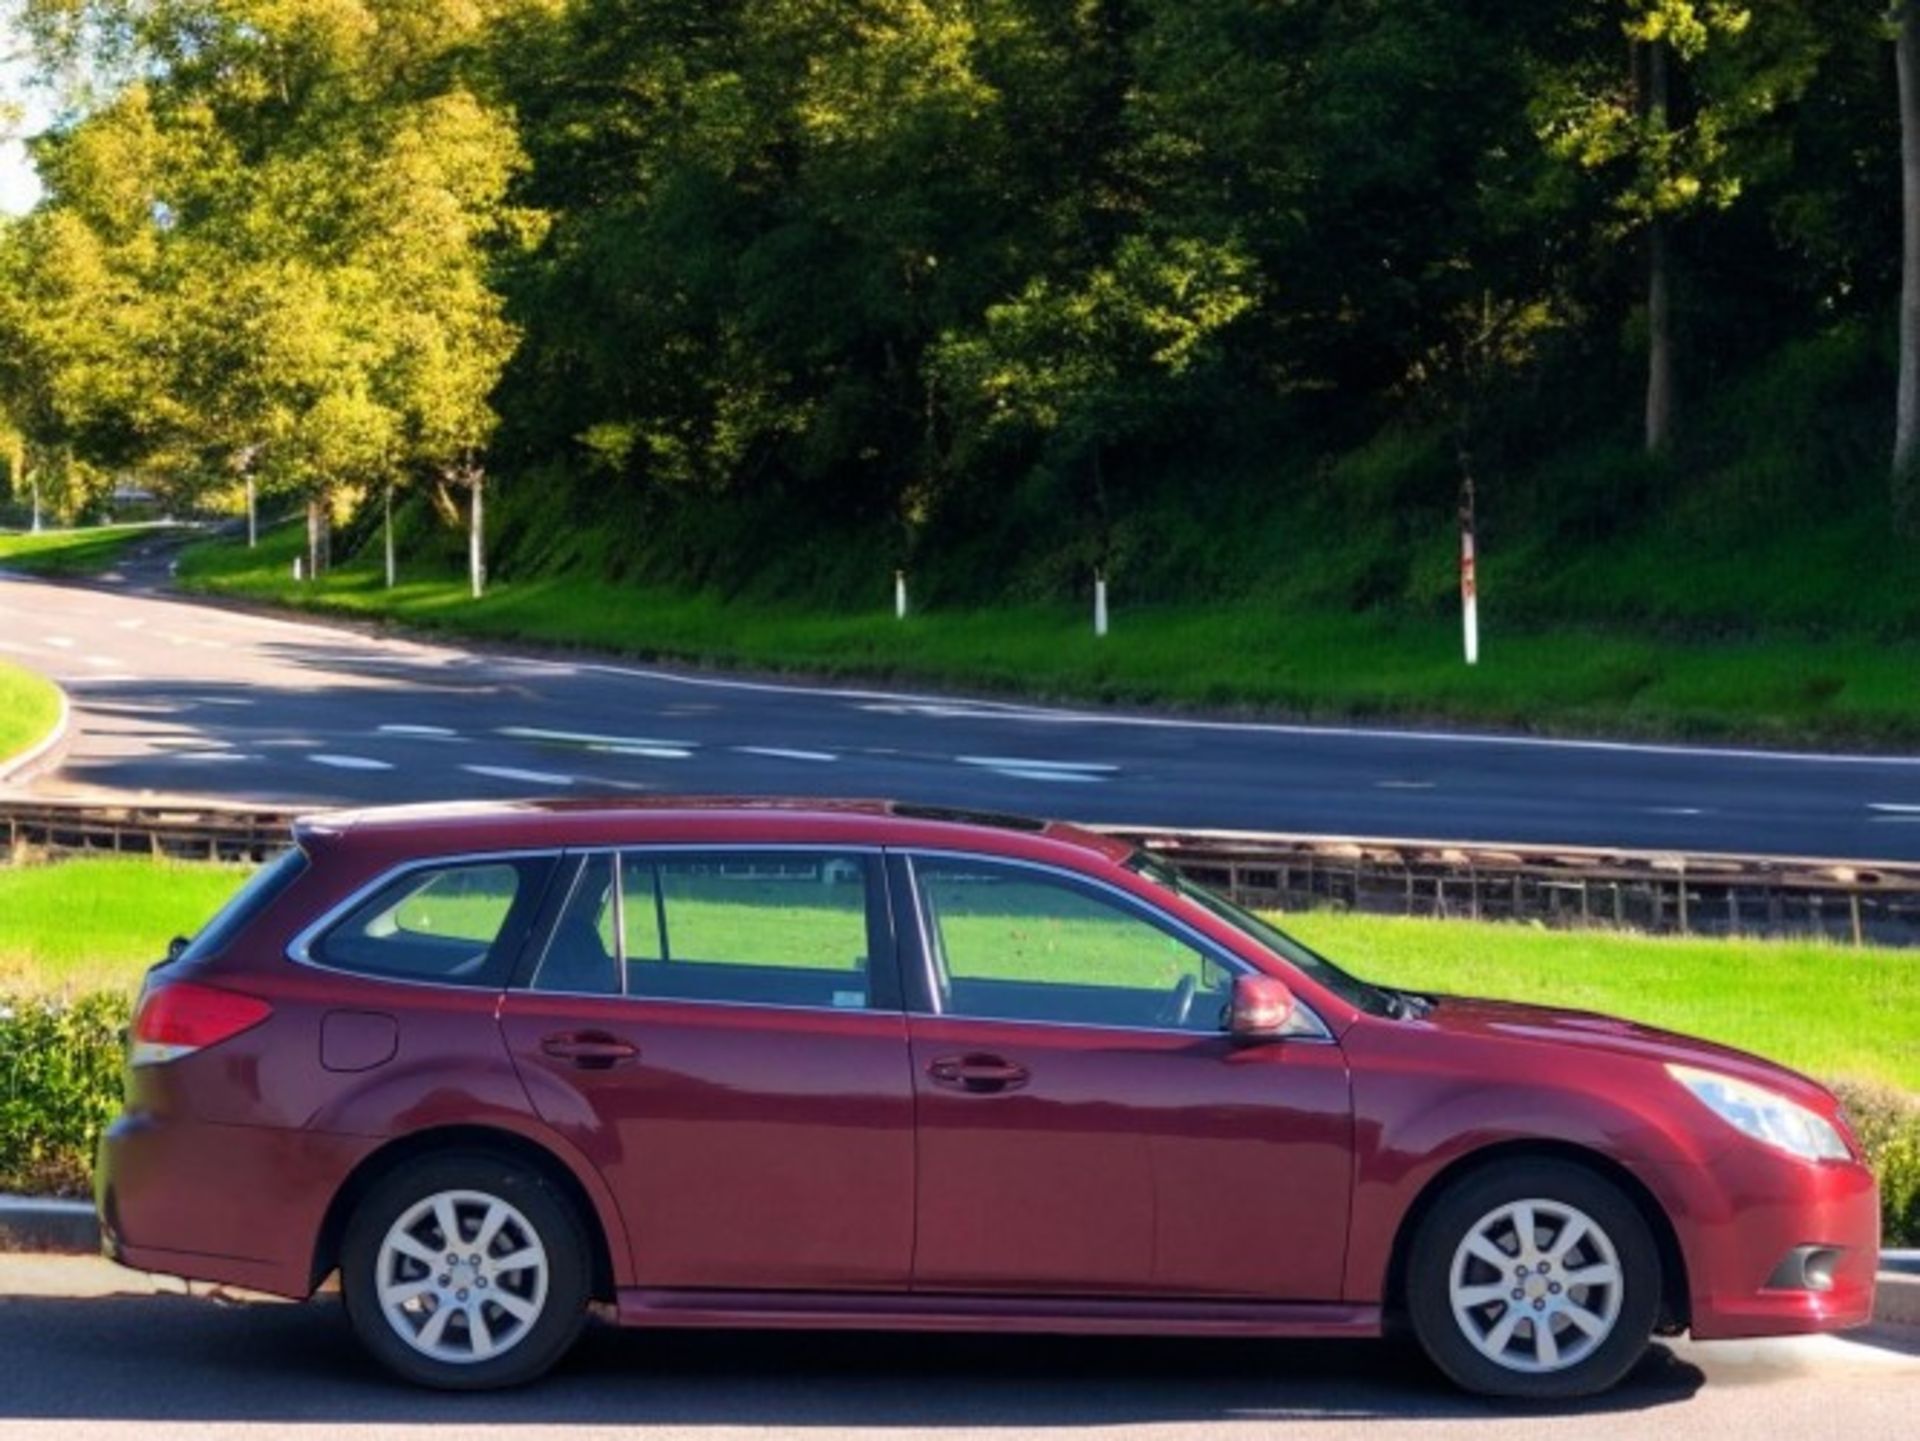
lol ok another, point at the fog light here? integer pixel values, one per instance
(1805, 1268)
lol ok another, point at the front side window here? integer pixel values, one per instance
(756, 928)
(1011, 943)
(451, 923)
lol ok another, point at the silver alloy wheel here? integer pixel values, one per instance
(1535, 1286)
(461, 1276)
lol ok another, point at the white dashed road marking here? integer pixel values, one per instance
(656, 753)
(1675, 811)
(350, 763)
(1900, 808)
(589, 738)
(431, 732)
(509, 773)
(1094, 768)
(781, 753)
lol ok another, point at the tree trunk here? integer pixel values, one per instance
(1906, 428)
(477, 535)
(1659, 281)
(389, 538)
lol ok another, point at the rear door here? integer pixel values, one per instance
(1085, 1124)
(721, 1032)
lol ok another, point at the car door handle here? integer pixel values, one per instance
(590, 1050)
(977, 1073)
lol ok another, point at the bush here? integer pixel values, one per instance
(60, 1083)
(1888, 1124)
(60, 1067)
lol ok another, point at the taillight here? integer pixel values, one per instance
(177, 1018)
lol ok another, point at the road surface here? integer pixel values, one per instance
(87, 1350)
(176, 698)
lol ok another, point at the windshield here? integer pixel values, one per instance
(1349, 988)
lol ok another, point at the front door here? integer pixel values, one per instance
(721, 1034)
(1085, 1125)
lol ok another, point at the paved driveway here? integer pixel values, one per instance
(87, 1350)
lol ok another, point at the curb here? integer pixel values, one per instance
(43, 1223)
(29, 762)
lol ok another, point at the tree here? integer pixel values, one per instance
(1906, 435)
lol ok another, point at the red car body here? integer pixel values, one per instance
(772, 1165)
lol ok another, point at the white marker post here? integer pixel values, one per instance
(899, 595)
(1469, 599)
(299, 567)
(389, 538)
(1099, 604)
(36, 504)
(253, 514)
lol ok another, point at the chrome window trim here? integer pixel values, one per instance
(1206, 945)
(300, 948)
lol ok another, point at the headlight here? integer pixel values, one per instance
(1764, 1115)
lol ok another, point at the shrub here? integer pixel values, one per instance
(60, 1067)
(1888, 1124)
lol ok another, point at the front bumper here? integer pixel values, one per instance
(1746, 1213)
(241, 1205)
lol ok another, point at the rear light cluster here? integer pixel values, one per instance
(177, 1018)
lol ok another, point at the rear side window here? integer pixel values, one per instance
(758, 928)
(266, 886)
(457, 924)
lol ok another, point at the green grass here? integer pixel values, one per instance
(1242, 656)
(29, 707)
(69, 552)
(1832, 1011)
(82, 925)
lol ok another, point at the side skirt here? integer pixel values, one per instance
(835, 1311)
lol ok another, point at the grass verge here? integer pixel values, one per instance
(29, 710)
(1786, 688)
(69, 552)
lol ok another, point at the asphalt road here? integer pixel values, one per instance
(176, 698)
(87, 1350)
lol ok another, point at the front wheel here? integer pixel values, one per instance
(465, 1272)
(1534, 1279)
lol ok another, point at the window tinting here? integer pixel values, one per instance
(439, 923)
(1013, 944)
(255, 896)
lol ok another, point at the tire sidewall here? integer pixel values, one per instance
(1430, 1262)
(550, 1216)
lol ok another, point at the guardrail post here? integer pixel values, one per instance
(1853, 905)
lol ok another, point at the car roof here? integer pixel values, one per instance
(478, 826)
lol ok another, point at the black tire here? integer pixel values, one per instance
(1460, 1210)
(538, 1343)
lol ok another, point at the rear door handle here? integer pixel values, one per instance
(977, 1073)
(590, 1050)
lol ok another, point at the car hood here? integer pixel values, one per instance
(1590, 1032)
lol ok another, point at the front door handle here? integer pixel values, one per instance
(589, 1050)
(977, 1073)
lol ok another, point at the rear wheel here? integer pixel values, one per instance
(465, 1271)
(1535, 1279)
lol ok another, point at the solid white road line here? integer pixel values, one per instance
(350, 763)
(511, 773)
(1026, 763)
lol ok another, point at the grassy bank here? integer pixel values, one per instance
(69, 552)
(1842, 688)
(29, 708)
(97, 924)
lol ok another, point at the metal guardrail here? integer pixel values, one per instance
(1659, 892)
(1566, 886)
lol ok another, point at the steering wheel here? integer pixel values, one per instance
(1180, 1005)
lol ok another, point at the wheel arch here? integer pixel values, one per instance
(1675, 1293)
(397, 1152)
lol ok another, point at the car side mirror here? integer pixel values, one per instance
(177, 947)
(1262, 1009)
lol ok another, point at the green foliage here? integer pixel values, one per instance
(60, 1069)
(1888, 1124)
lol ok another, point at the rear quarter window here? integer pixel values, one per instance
(458, 923)
(267, 885)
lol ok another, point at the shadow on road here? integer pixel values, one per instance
(175, 1358)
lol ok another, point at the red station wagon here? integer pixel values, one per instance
(818, 1064)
